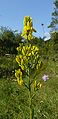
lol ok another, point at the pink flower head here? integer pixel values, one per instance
(45, 77)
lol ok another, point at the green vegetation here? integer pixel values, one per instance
(54, 22)
(14, 99)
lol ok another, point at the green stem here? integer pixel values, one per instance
(30, 109)
(30, 102)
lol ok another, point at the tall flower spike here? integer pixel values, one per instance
(28, 28)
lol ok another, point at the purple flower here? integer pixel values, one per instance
(45, 77)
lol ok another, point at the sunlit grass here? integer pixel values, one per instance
(14, 103)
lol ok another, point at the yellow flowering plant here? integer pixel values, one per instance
(28, 28)
(29, 62)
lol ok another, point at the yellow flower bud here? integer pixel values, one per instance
(17, 59)
(33, 47)
(20, 73)
(20, 56)
(32, 53)
(22, 61)
(23, 52)
(40, 85)
(24, 57)
(20, 82)
(25, 29)
(22, 67)
(29, 54)
(17, 73)
(28, 28)
(36, 48)
(17, 48)
(39, 63)
(24, 48)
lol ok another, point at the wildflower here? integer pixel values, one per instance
(17, 59)
(45, 77)
(23, 52)
(20, 82)
(37, 66)
(35, 84)
(29, 54)
(32, 53)
(18, 73)
(40, 85)
(28, 28)
(22, 67)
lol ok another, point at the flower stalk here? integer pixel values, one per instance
(30, 102)
(28, 59)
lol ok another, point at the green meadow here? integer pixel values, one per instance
(14, 99)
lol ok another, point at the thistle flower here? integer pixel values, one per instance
(45, 77)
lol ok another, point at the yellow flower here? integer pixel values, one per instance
(18, 73)
(17, 59)
(37, 56)
(24, 57)
(25, 29)
(24, 48)
(22, 67)
(20, 56)
(37, 66)
(32, 53)
(33, 47)
(36, 48)
(39, 63)
(29, 46)
(30, 36)
(28, 28)
(22, 61)
(35, 84)
(29, 54)
(23, 52)
(40, 85)
(20, 82)
(17, 48)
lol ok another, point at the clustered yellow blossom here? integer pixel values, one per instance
(28, 28)
(18, 75)
(27, 59)
(37, 85)
(28, 54)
